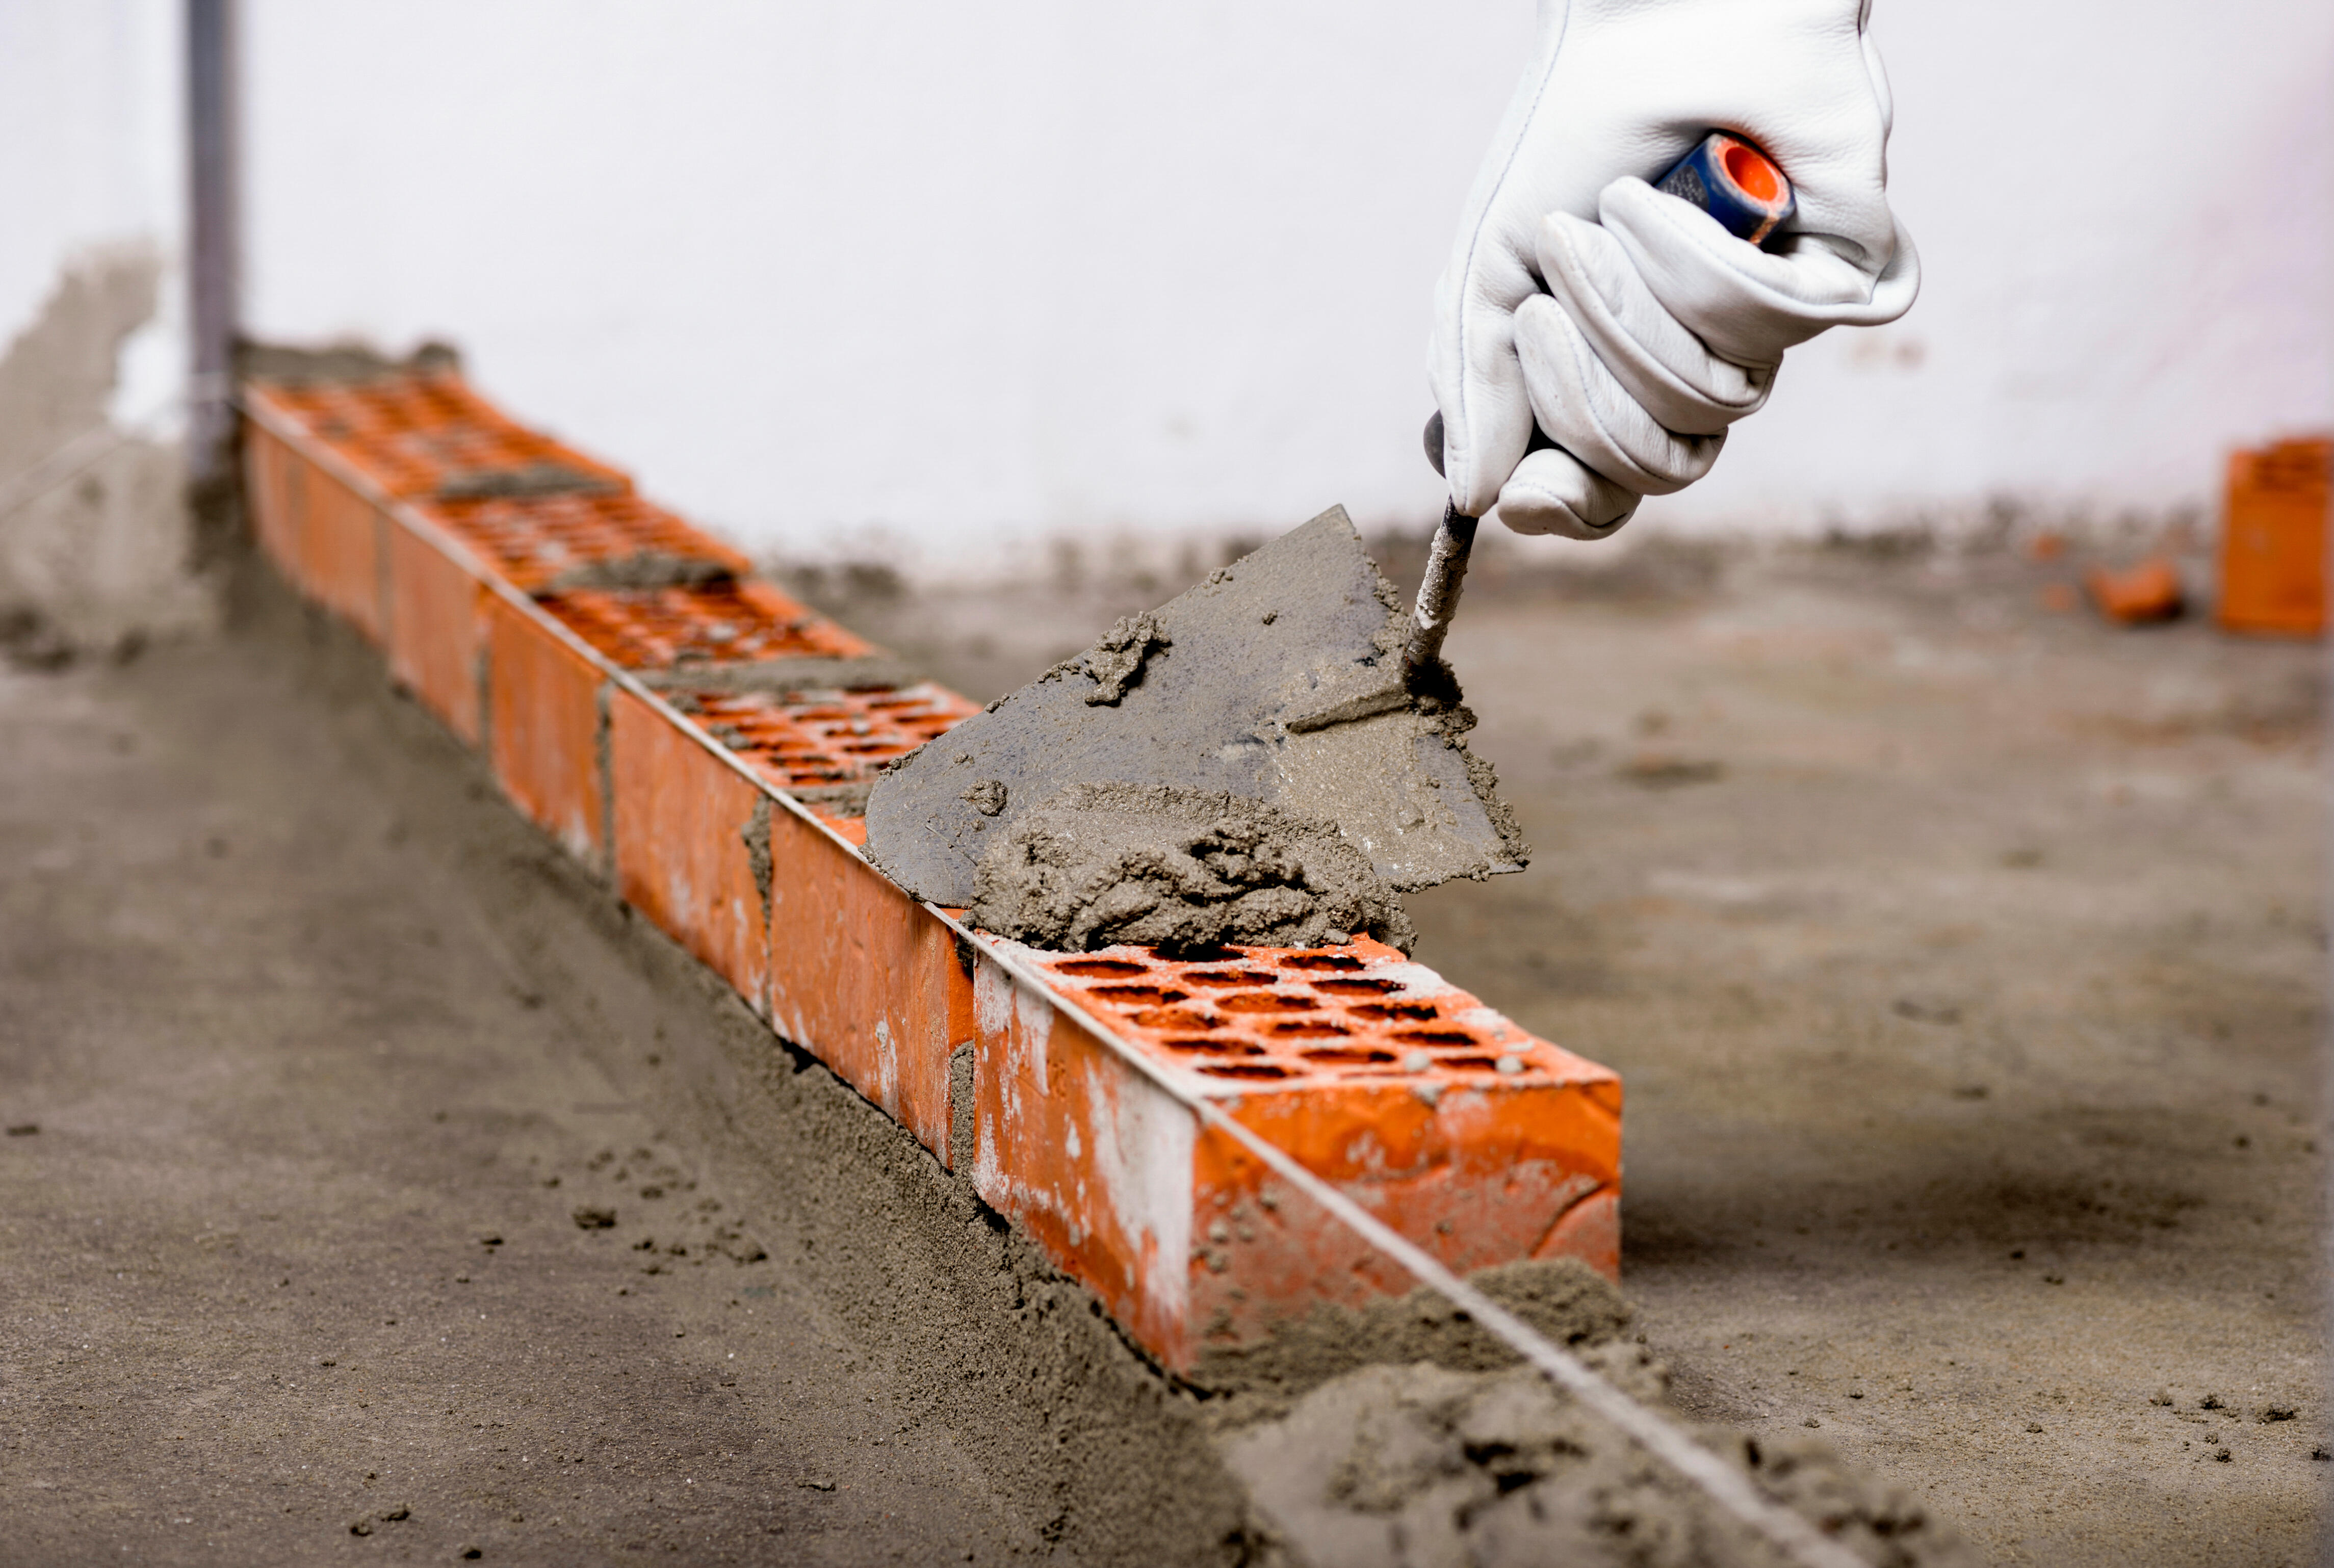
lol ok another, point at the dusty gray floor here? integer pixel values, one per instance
(286, 1254)
(1965, 964)
(1928, 928)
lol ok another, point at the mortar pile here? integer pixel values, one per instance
(1246, 762)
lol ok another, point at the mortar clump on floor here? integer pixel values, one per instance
(1400, 1434)
(1276, 693)
(1419, 1467)
(1180, 870)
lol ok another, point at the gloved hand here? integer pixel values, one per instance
(1657, 329)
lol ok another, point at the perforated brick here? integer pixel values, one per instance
(424, 434)
(537, 540)
(660, 629)
(1270, 1015)
(826, 746)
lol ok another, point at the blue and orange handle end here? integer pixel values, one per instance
(1735, 183)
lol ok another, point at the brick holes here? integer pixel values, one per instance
(1261, 1015)
(809, 741)
(417, 433)
(1100, 968)
(534, 540)
(713, 624)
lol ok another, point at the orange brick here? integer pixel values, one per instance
(865, 979)
(715, 624)
(544, 730)
(417, 432)
(531, 539)
(826, 746)
(1465, 1134)
(343, 551)
(437, 630)
(686, 821)
(1091, 1158)
(2273, 539)
(272, 477)
(2137, 594)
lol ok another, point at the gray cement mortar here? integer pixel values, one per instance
(1185, 870)
(1277, 680)
(417, 1198)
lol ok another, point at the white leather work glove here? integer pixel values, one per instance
(1624, 324)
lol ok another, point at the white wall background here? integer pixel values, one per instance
(950, 280)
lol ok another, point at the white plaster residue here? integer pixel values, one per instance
(1489, 1019)
(1143, 1143)
(149, 376)
(992, 998)
(1409, 976)
(887, 1068)
(1034, 1024)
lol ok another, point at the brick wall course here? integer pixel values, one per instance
(728, 812)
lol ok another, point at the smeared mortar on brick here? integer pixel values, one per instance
(1278, 680)
(1181, 869)
(785, 674)
(756, 836)
(642, 569)
(347, 362)
(530, 479)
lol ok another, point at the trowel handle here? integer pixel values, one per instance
(1438, 592)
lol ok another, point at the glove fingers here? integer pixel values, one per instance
(1487, 420)
(1589, 413)
(1551, 493)
(1749, 304)
(1665, 367)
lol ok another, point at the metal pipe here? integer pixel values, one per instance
(214, 254)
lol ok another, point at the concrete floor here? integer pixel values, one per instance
(295, 1141)
(1965, 963)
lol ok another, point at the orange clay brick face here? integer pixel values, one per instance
(437, 630)
(809, 740)
(342, 551)
(532, 540)
(1480, 1142)
(683, 858)
(719, 623)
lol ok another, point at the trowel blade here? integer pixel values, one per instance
(1280, 679)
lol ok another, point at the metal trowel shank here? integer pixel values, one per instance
(1279, 678)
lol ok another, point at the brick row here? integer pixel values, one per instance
(704, 743)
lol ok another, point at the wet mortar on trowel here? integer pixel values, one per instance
(1248, 762)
